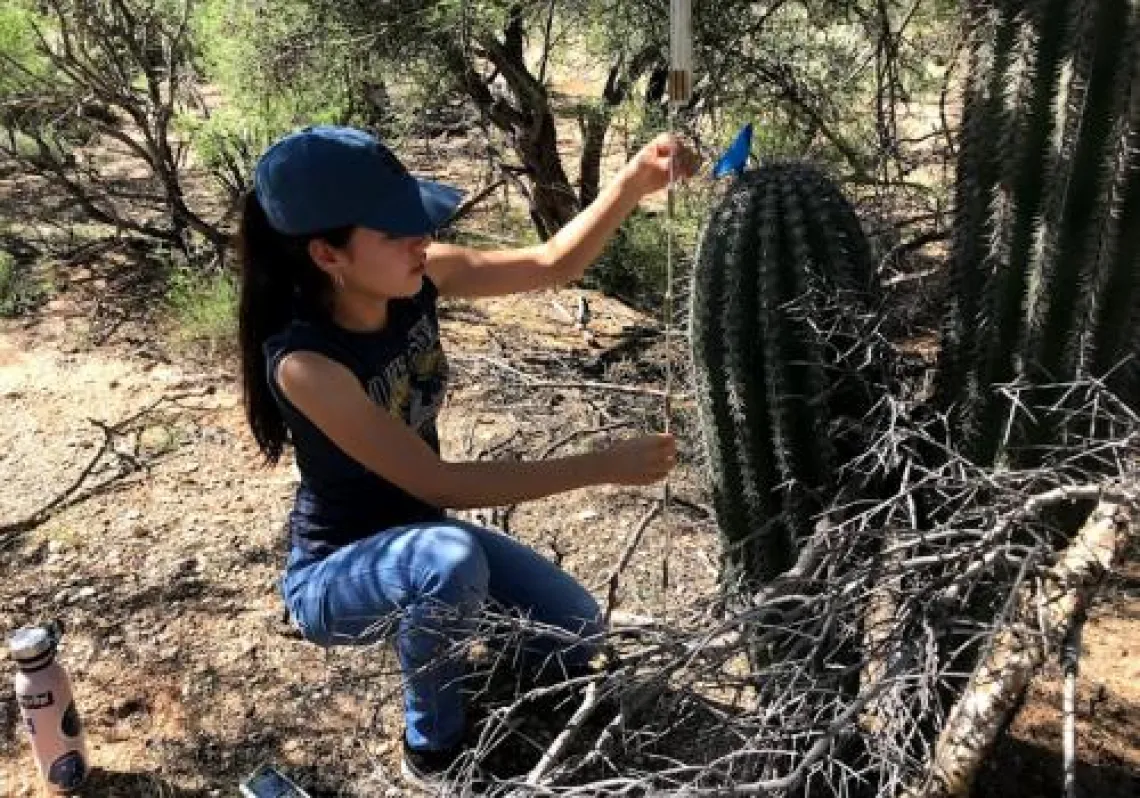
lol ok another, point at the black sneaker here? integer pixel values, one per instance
(427, 770)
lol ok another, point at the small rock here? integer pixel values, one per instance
(132, 706)
(140, 531)
(187, 566)
(85, 593)
(55, 546)
(62, 596)
(115, 640)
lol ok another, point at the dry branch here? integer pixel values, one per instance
(1041, 620)
(120, 74)
(75, 493)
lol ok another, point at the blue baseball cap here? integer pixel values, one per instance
(323, 177)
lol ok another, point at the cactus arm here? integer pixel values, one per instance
(1115, 335)
(992, 35)
(1065, 286)
(1030, 165)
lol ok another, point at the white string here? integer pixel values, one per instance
(680, 89)
(670, 232)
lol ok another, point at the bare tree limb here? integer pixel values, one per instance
(1019, 650)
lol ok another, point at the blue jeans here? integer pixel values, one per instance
(424, 585)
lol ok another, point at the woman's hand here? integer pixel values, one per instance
(638, 461)
(649, 170)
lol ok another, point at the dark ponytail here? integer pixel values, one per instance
(279, 282)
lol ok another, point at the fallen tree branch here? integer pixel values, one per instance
(1019, 650)
(72, 494)
(552, 754)
(1032, 508)
(631, 546)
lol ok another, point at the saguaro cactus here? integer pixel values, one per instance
(1044, 261)
(781, 265)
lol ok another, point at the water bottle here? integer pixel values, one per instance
(43, 692)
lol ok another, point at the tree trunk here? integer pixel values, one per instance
(594, 124)
(554, 201)
(525, 116)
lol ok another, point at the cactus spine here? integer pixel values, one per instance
(1044, 234)
(779, 250)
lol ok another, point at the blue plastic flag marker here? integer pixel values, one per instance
(735, 158)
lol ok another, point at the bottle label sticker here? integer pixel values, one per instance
(36, 700)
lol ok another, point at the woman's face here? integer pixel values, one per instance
(382, 266)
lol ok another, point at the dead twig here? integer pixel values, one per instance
(591, 385)
(1019, 650)
(72, 494)
(627, 554)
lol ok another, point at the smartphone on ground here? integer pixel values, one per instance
(269, 782)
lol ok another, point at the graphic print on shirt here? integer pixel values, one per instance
(411, 387)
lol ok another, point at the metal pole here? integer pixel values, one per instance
(1070, 665)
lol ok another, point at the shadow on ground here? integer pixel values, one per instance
(115, 784)
(1030, 770)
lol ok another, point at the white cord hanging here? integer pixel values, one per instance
(680, 92)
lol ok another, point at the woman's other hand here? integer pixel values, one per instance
(649, 169)
(639, 461)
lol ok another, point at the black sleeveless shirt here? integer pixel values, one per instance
(403, 369)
